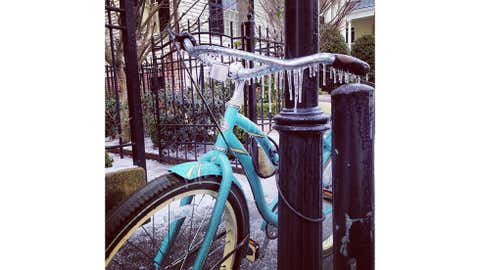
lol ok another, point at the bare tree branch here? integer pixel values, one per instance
(345, 9)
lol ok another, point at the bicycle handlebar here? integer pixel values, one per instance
(271, 64)
(350, 63)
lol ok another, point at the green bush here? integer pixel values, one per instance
(241, 135)
(364, 49)
(182, 112)
(265, 109)
(108, 160)
(111, 122)
(331, 40)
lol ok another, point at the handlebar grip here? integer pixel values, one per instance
(184, 35)
(351, 64)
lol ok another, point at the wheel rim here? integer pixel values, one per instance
(152, 229)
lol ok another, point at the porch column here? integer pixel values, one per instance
(349, 34)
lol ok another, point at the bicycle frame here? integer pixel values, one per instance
(216, 162)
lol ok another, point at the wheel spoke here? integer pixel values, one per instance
(153, 234)
(139, 249)
(143, 242)
(194, 237)
(152, 238)
(194, 249)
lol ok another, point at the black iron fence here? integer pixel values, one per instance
(175, 119)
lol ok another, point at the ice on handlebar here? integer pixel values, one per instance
(339, 61)
(347, 68)
(219, 72)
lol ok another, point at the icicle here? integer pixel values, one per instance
(324, 67)
(310, 71)
(295, 83)
(366, 77)
(334, 76)
(315, 69)
(280, 80)
(263, 87)
(340, 76)
(282, 84)
(300, 84)
(331, 73)
(358, 79)
(276, 82)
(289, 78)
(269, 93)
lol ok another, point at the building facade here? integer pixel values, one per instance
(359, 22)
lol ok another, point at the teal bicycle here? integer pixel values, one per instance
(196, 216)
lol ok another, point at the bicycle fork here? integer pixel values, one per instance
(174, 227)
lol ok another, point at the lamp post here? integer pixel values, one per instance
(300, 240)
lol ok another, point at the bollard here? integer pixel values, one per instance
(353, 187)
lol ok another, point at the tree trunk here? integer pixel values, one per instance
(123, 98)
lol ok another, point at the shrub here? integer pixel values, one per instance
(108, 160)
(331, 40)
(184, 111)
(111, 122)
(241, 135)
(364, 48)
(265, 109)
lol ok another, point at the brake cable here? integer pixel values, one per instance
(210, 113)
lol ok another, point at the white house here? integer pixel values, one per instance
(220, 12)
(359, 22)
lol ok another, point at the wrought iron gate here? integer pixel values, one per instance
(176, 119)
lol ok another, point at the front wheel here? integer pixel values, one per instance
(163, 224)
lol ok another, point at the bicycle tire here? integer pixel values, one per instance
(135, 210)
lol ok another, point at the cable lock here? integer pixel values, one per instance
(296, 212)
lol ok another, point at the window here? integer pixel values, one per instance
(164, 13)
(229, 4)
(216, 16)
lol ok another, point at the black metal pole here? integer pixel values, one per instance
(353, 186)
(250, 44)
(250, 47)
(133, 83)
(300, 240)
